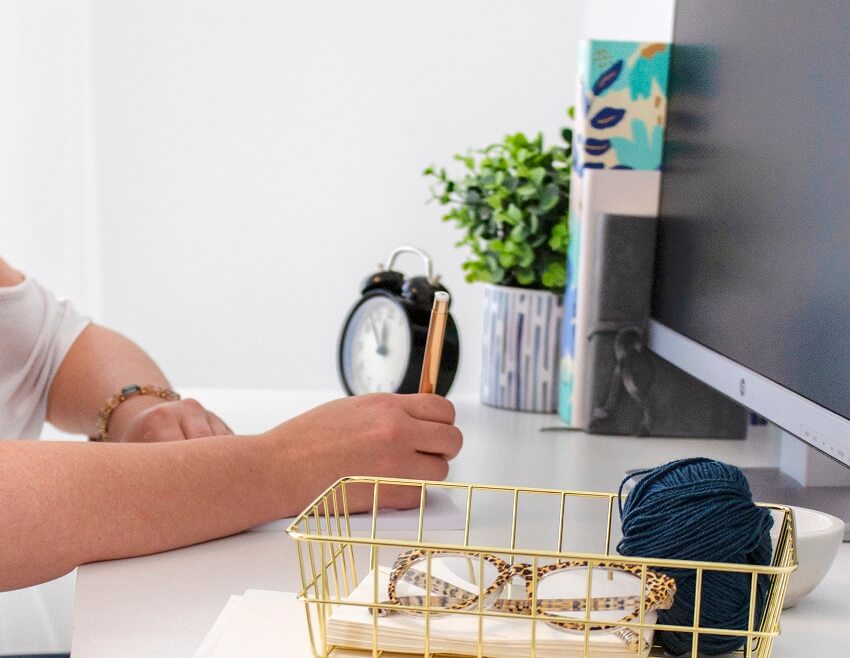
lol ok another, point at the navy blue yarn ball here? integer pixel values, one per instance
(700, 509)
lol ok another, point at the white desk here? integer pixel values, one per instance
(163, 605)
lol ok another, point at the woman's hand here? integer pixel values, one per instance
(385, 435)
(148, 419)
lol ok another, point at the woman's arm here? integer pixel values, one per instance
(66, 503)
(63, 504)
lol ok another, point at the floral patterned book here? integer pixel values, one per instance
(618, 138)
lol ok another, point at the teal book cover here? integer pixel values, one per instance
(619, 125)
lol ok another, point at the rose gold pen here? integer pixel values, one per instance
(434, 343)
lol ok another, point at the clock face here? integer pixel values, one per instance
(376, 347)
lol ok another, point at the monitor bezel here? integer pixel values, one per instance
(817, 426)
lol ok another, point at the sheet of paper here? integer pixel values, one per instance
(441, 513)
(224, 617)
(258, 623)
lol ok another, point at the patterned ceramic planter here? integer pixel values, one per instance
(522, 329)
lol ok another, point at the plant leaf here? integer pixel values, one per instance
(549, 198)
(525, 276)
(554, 276)
(514, 213)
(526, 191)
(537, 176)
(507, 260)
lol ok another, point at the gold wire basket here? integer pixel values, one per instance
(532, 526)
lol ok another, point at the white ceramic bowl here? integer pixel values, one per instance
(818, 537)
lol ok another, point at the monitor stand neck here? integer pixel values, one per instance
(805, 478)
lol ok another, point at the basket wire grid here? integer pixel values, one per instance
(333, 559)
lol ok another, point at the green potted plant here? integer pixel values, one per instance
(511, 203)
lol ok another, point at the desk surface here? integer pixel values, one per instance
(163, 605)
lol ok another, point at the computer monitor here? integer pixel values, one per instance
(752, 287)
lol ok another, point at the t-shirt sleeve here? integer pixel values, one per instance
(68, 328)
(36, 332)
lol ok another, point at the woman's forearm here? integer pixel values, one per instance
(67, 504)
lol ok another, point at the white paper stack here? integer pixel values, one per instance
(258, 623)
(261, 624)
(352, 626)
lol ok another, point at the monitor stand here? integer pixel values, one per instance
(805, 478)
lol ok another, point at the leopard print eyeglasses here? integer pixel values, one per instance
(457, 579)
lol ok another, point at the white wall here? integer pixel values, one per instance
(257, 160)
(47, 211)
(255, 157)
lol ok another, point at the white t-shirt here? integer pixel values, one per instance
(36, 331)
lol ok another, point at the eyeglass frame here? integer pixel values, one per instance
(658, 595)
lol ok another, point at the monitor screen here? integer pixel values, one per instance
(753, 256)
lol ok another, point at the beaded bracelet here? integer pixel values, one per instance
(127, 392)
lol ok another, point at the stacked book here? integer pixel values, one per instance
(621, 109)
(610, 383)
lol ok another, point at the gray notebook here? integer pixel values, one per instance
(630, 389)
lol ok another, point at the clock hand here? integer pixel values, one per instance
(381, 348)
(382, 341)
(375, 333)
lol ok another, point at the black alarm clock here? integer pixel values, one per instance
(383, 339)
